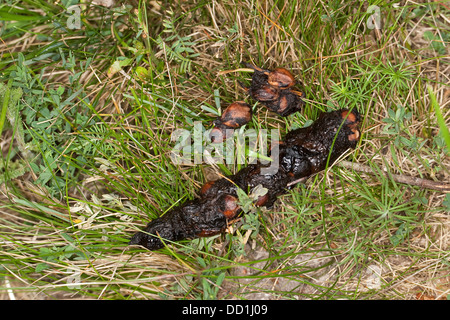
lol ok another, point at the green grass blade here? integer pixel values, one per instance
(440, 119)
(7, 16)
(5, 105)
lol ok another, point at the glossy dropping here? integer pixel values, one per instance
(274, 89)
(236, 115)
(303, 152)
(281, 77)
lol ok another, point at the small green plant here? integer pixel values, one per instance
(401, 234)
(397, 124)
(177, 48)
(58, 254)
(44, 121)
(9, 99)
(210, 288)
(250, 218)
(436, 42)
(446, 202)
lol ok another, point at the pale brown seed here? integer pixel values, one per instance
(281, 78)
(236, 115)
(264, 93)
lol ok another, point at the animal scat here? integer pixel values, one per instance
(274, 89)
(303, 152)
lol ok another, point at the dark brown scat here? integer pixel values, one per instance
(352, 120)
(205, 188)
(304, 151)
(274, 89)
